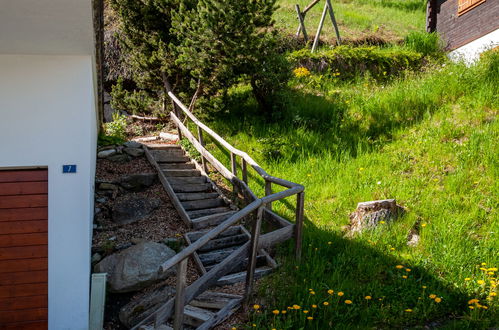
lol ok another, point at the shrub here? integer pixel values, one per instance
(428, 44)
(347, 62)
(135, 101)
(117, 128)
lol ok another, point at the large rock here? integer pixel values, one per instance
(136, 267)
(369, 215)
(137, 182)
(106, 153)
(134, 152)
(132, 144)
(133, 209)
(141, 307)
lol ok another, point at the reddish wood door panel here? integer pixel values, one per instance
(23, 188)
(23, 249)
(23, 201)
(32, 213)
(23, 227)
(12, 304)
(12, 266)
(40, 276)
(23, 239)
(24, 252)
(23, 175)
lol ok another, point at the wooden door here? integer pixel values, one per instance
(23, 249)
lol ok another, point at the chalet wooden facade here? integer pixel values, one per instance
(468, 27)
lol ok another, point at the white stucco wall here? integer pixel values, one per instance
(47, 118)
(470, 52)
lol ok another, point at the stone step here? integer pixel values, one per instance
(241, 276)
(225, 242)
(177, 166)
(196, 196)
(201, 213)
(211, 220)
(182, 172)
(203, 204)
(188, 188)
(186, 180)
(231, 231)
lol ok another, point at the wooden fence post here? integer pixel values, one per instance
(201, 141)
(300, 203)
(253, 252)
(268, 192)
(178, 321)
(245, 171)
(319, 29)
(333, 19)
(302, 23)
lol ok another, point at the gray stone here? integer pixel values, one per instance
(108, 113)
(108, 186)
(134, 152)
(106, 153)
(138, 240)
(134, 209)
(138, 182)
(119, 158)
(141, 307)
(97, 210)
(96, 258)
(132, 144)
(136, 267)
(102, 200)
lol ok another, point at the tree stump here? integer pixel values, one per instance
(368, 215)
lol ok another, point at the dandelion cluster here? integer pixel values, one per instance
(301, 72)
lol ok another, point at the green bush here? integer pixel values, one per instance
(428, 44)
(135, 101)
(347, 62)
(117, 128)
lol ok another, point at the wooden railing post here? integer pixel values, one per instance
(268, 192)
(201, 141)
(233, 163)
(253, 252)
(178, 321)
(177, 113)
(300, 203)
(245, 171)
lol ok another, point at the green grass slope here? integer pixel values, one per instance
(388, 19)
(431, 141)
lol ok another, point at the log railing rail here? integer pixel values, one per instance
(262, 207)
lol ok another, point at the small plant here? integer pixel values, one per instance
(117, 128)
(428, 44)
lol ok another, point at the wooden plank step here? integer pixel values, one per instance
(211, 220)
(231, 231)
(182, 172)
(201, 213)
(241, 277)
(215, 257)
(195, 316)
(163, 146)
(213, 300)
(224, 313)
(186, 188)
(177, 166)
(261, 261)
(171, 159)
(203, 204)
(196, 196)
(187, 180)
(225, 242)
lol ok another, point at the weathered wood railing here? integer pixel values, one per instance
(262, 207)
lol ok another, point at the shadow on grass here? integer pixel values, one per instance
(384, 292)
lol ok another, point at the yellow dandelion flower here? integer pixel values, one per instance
(404, 276)
(341, 294)
(480, 282)
(432, 296)
(275, 312)
(467, 279)
(254, 325)
(399, 266)
(329, 243)
(283, 312)
(473, 301)
(234, 328)
(348, 302)
(330, 291)
(368, 297)
(438, 300)
(382, 222)
(310, 318)
(392, 249)
(407, 269)
(423, 225)
(325, 303)
(483, 269)
(484, 264)
(424, 286)
(305, 312)
(408, 310)
(312, 292)
(314, 306)
(471, 307)
(296, 307)
(484, 307)
(493, 294)
(301, 72)
(256, 306)
(493, 269)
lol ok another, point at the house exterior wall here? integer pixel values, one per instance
(48, 119)
(459, 30)
(471, 52)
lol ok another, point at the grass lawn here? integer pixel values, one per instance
(429, 140)
(388, 19)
